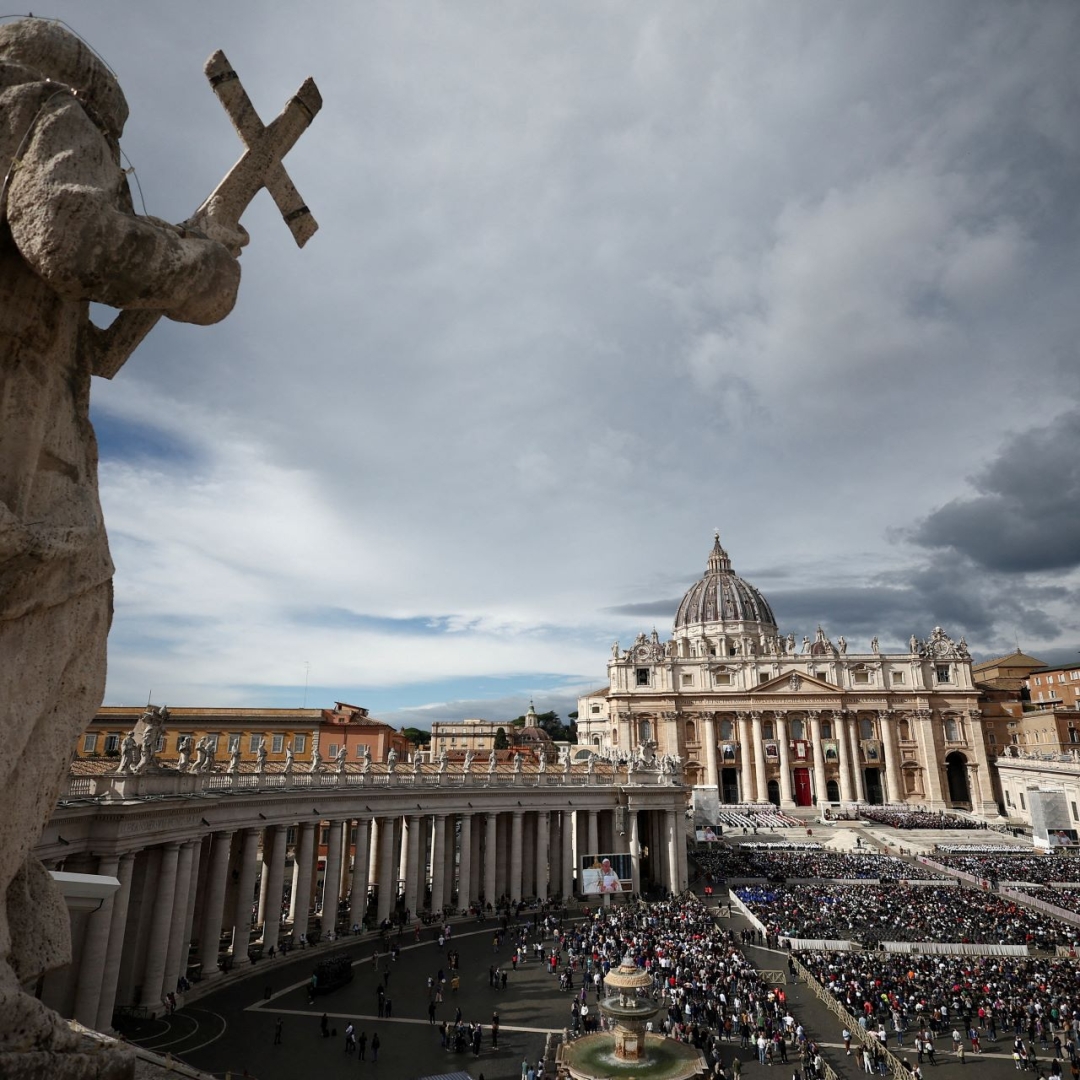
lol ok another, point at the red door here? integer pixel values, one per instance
(803, 796)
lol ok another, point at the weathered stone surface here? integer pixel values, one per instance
(105, 1065)
(68, 236)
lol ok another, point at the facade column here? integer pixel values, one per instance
(674, 875)
(177, 955)
(543, 822)
(160, 924)
(712, 777)
(217, 877)
(359, 889)
(117, 922)
(746, 755)
(893, 791)
(386, 870)
(821, 788)
(787, 798)
(983, 786)
(465, 879)
(245, 890)
(594, 833)
(554, 854)
(193, 892)
(856, 761)
(438, 867)
(415, 869)
(635, 850)
(305, 863)
(491, 856)
(476, 880)
(567, 884)
(759, 759)
(332, 877)
(516, 841)
(449, 859)
(95, 947)
(847, 793)
(275, 882)
(929, 733)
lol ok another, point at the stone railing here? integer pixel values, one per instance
(170, 782)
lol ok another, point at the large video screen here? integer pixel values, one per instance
(606, 874)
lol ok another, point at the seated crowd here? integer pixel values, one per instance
(1069, 899)
(917, 819)
(779, 861)
(756, 817)
(999, 866)
(874, 913)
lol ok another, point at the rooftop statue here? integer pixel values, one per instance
(69, 236)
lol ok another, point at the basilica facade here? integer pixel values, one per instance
(758, 716)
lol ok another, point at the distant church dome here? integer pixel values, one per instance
(723, 597)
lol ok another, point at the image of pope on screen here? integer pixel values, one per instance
(606, 874)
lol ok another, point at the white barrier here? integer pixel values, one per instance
(957, 948)
(1066, 916)
(822, 945)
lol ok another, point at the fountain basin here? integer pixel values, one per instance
(592, 1057)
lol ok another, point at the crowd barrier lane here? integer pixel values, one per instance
(898, 1068)
(954, 948)
(742, 909)
(774, 976)
(1065, 950)
(960, 875)
(822, 945)
(1070, 917)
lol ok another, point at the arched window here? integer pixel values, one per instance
(726, 730)
(952, 729)
(614, 736)
(866, 728)
(767, 730)
(646, 730)
(903, 730)
(798, 729)
(826, 729)
(691, 732)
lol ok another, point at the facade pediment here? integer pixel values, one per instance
(795, 683)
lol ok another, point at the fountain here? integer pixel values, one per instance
(629, 1051)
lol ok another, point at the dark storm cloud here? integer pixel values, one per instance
(1025, 516)
(648, 609)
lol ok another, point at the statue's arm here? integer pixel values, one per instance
(66, 209)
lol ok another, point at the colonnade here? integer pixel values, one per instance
(189, 901)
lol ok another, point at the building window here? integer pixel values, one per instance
(254, 743)
(646, 731)
(767, 730)
(903, 730)
(1073, 737)
(324, 835)
(688, 679)
(722, 678)
(234, 743)
(826, 729)
(1023, 805)
(352, 835)
(691, 732)
(89, 744)
(1076, 816)
(866, 728)
(112, 744)
(991, 738)
(332, 749)
(614, 737)
(159, 746)
(860, 678)
(299, 744)
(1008, 797)
(277, 744)
(943, 673)
(952, 730)
(798, 729)
(763, 676)
(290, 835)
(726, 729)
(595, 710)
(643, 676)
(213, 741)
(898, 678)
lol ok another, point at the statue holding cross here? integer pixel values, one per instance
(69, 236)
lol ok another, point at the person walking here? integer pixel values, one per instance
(375, 1046)
(350, 1038)
(361, 1047)
(277, 1031)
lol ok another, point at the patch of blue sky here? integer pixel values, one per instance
(123, 439)
(341, 619)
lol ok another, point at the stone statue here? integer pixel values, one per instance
(204, 755)
(615, 650)
(234, 760)
(444, 760)
(365, 765)
(542, 767)
(470, 757)
(316, 760)
(493, 760)
(391, 760)
(70, 237)
(591, 767)
(805, 644)
(790, 644)
(260, 756)
(417, 759)
(517, 762)
(339, 759)
(841, 641)
(289, 761)
(128, 749)
(183, 747)
(874, 646)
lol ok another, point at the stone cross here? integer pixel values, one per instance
(259, 166)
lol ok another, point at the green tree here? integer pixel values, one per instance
(417, 736)
(501, 741)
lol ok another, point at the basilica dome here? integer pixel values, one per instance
(722, 597)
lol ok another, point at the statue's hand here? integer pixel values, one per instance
(211, 223)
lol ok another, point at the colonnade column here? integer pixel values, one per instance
(746, 756)
(892, 766)
(635, 850)
(176, 957)
(491, 856)
(160, 921)
(860, 779)
(275, 881)
(787, 798)
(465, 894)
(840, 729)
(213, 906)
(712, 777)
(567, 854)
(358, 891)
(305, 860)
(117, 924)
(415, 868)
(554, 854)
(528, 855)
(332, 877)
(987, 804)
(542, 829)
(759, 759)
(94, 950)
(449, 860)
(249, 854)
(387, 883)
(518, 819)
(821, 785)
(594, 833)
(672, 852)
(438, 867)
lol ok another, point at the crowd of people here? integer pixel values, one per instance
(775, 861)
(1069, 899)
(871, 914)
(756, 817)
(917, 819)
(1011, 865)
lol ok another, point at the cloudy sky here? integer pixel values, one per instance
(592, 280)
